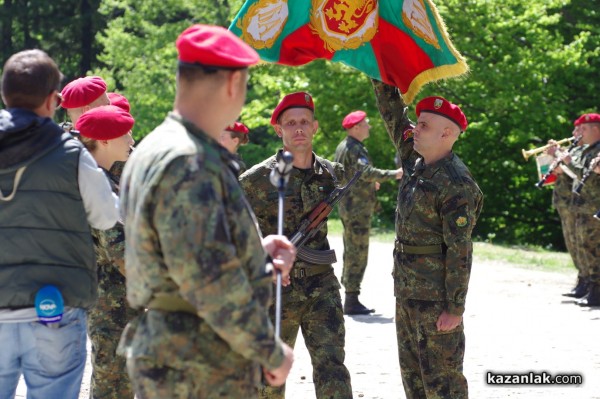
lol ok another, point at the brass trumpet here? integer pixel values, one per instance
(534, 151)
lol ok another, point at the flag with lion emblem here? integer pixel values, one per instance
(403, 43)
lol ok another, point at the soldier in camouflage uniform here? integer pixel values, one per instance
(194, 255)
(312, 302)
(106, 133)
(438, 206)
(563, 202)
(232, 138)
(587, 229)
(357, 207)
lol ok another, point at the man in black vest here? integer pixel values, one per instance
(51, 191)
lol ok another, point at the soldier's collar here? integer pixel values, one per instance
(431, 170)
(224, 154)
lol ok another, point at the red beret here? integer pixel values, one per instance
(353, 118)
(443, 107)
(238, 127)
(214, 46)
(82, 91)
(105, 123)
(587, 118)
(294, 100)
(119, 100)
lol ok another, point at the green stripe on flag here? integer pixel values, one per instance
(363, 59)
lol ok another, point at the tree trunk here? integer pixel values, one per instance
(7, 32)
(87, 37)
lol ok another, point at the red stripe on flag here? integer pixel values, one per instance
(400, 59)
(301, 47)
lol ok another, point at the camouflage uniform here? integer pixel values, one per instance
(311, 302)
(194, 258)
(356, 210)
(438, 206)
(562, 200)
(587, 228)
(108, 318)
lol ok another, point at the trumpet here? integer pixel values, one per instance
(534, 151)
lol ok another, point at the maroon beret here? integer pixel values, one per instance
(238, 127)
(214, 46)
(294, 100)
(82, 91)
(587, 118)
(105, 123)
(443, 107)
(119, 100)
(353, 118)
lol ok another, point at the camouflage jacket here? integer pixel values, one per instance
(437, 204)
(362, 194)
(110, 244)
(305, 189)
(563, 187)
(589, 199)
(191, 233)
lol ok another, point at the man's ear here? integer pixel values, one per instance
(316, 126)
(278, 131)
(234, 83)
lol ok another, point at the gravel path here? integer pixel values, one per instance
(516, 322)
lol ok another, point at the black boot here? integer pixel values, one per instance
(580, 289)
(592, 298)
(353, 306)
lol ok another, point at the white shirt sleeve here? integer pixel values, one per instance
(100, 203)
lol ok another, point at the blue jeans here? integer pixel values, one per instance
(51, 359)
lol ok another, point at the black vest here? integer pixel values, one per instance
(45, 237)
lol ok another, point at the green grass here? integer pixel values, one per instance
(526, 256)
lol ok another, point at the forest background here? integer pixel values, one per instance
(533, 70)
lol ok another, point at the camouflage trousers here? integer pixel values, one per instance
(588, 239)
(567, 221)
(177, 355)
(314, 306)
(357, 226)
(106, 322)
(431, 362)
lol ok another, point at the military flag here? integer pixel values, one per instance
(403, 43)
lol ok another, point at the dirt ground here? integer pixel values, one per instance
(516, 322)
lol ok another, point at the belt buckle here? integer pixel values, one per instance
(299, 273)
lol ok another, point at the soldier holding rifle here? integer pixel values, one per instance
(312, 301)
(586, 198)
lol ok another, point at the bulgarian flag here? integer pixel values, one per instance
(403, 43)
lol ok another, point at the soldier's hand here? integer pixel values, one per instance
(399, 173)
(377, 186)
(448, 321)
(283, 253)
(566, 159)
(278, 376)
(552, 150)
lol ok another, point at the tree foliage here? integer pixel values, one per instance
(533, 71)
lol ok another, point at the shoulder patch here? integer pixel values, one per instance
(461, 221)
(408, 134)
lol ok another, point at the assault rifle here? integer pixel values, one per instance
(311, 224)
